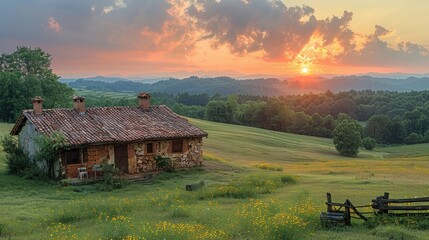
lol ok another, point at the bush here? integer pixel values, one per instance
(18, 163)
(164, 163)
(16, 160)
(288, 179)
(49, 148)
(110, 180)
(369, 143)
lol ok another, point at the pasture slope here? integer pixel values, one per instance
(240, 201)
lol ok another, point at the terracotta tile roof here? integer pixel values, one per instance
(110, 124)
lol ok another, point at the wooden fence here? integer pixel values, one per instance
(403, 206)
(342, 213)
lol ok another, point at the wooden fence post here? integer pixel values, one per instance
(328, 202)
(347, 212)
(385, 196)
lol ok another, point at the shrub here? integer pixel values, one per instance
(368, 143)
(164, 163)
(16, 160)
(110, 180)
(288, 179)
(49, 148)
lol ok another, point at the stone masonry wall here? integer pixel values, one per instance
(190, 157)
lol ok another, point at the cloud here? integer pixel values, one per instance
(268, 30)
(53, 24)
(294, 35)
(251, 26)
(117, 4)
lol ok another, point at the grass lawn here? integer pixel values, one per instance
(240, 201)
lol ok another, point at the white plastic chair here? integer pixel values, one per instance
(82, 173)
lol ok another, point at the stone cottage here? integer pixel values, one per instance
(128, 137)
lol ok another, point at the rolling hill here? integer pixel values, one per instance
(262, 87)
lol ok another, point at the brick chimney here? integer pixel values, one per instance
(37, 105)
(144, 101)
(79, 104)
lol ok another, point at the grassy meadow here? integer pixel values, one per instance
(259, 185)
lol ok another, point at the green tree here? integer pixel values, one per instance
(347, 137)
(369, 143)
(414, 138)
(24, 74)
(396, 131)
(49, 151)
(377, 128)
(218, 111)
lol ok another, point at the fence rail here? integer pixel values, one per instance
(382, 204)
(342, 212)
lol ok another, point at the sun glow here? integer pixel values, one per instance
(304, 70)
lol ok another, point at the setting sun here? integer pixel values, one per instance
(304, 70)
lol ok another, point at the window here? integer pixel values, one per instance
(177, 146)
(72, 156)
(149, 148)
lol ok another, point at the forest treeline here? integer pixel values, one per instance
(196, 85)
(388, 117)
(263, 87)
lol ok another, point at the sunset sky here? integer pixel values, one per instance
(148, 38)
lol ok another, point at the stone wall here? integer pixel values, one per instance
(139, 161)
(144, 162)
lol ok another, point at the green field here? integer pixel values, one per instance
(94, 93)
(240, 201)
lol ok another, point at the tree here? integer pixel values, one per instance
(377, 127)
(347, 137)
(369, 143)
(218, 111)
(49, 149)
(396, 131)
(24, 74)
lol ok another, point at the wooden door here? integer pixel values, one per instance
(121, 158)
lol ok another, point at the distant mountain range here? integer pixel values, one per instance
(263, 86)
